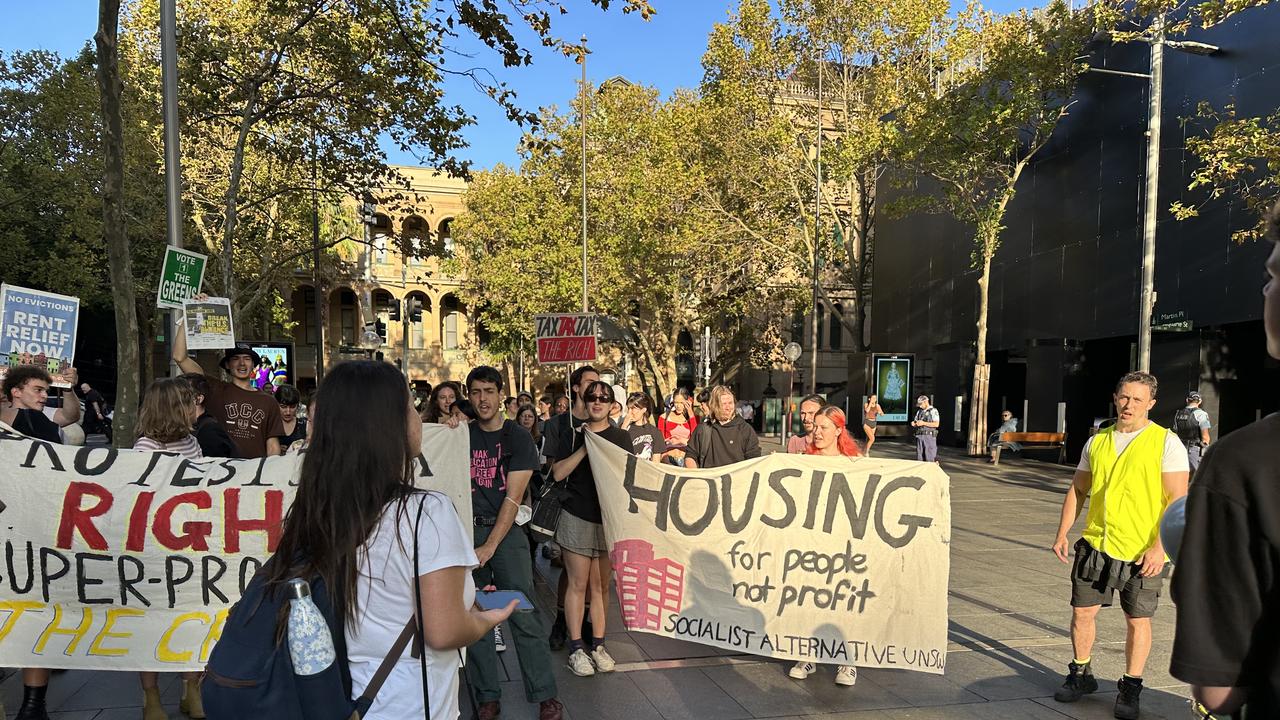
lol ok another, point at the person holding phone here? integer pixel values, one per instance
(580, 533)
(503, 459)
(358, 522)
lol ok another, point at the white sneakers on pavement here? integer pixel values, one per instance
(580, 664)
(584, 665)
(802, 670)
(603, 660)
(846, 675)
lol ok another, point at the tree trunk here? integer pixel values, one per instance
(981, 371)
(232, 201)
(113, 222)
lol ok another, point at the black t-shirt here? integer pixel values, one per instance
(646, 441)
(90, 399)
(299, 433)
(1227, 581)
(36, 424)
(214, 441)
(583, 501)
(493, 455)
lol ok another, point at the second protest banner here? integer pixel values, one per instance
(130, 560)
(825, 559)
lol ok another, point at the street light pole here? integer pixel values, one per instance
(817, 243)
(172, 155)
(1150, 209)
(583, 113)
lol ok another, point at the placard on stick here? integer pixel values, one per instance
(566, 338)
(208, 324)
(38, 328)
(180, 277)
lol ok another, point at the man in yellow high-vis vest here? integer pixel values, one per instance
(1129, 473)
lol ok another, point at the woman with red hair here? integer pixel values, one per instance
(831, 434)
(830, 437)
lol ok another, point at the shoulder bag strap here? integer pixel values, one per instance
(388, 662)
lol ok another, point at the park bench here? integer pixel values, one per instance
(1035, 441)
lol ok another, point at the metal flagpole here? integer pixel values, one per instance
(817, 224)
(583, 119)
(172, 155)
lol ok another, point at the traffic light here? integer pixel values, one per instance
(415, 309)
(393, 311)
(381, 328)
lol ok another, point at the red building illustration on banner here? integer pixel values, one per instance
(646, 585)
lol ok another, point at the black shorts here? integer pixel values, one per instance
(869, 423)
(1095, 577)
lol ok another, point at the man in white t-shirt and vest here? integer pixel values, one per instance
(926, 424)
(1130, 473)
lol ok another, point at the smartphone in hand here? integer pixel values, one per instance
(501, 598)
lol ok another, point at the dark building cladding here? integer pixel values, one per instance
(1066, 280)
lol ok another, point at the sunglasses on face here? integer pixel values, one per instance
(599, 398)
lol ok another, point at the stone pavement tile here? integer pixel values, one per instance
(622, 646)
(1003, 710)
(1157, 704)
(764, 689)
(867, 694)
(1009, 599)
(61, 687)
(995, 629)
(72, 715)
(604, 696)
(687, 694)
(921, 689)
(1108, 661)
(657, 647)
(1003, 674)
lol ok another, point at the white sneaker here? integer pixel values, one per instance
(580, 664)
(802, 670)
(603, 661)
(498, 642)
(846, 675)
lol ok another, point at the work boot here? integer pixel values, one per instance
(192, 703)
(559, 631)
(1080, 682)
(550, 710)
(33, 707)
(1127, 701)
(489, 710)
(152, 709)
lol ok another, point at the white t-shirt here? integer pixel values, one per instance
(1173, 460)
(385, 595)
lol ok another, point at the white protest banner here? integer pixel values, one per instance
(38, 328)
(180, 277)
(129, 560)
(208, 324)
(826, 559)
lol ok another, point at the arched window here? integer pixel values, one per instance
(345, 315)
(445, 230)
(418, 330)
(414, 230)
(836, 332)
(450, 322)
(380, 231)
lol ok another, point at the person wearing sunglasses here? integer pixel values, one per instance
(580, 533)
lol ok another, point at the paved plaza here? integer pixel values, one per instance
(1008, 645)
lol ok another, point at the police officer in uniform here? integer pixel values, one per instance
(926, 424)
(1192, 426)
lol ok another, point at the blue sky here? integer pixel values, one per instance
(665, 52)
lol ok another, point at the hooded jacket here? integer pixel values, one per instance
(713, 443)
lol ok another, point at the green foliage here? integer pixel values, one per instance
(1240, 158)
(655, 263)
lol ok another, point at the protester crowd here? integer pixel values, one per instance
(350, 519)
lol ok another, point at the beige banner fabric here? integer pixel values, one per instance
(129, 560)
(828, 559)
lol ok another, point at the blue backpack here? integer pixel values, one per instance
(250, 673)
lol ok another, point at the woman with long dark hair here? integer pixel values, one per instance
(357, 522)
(441, 403)
(677, 424)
